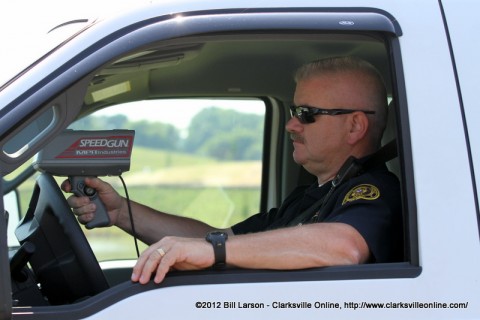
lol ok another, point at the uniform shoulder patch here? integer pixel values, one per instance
(362, 192)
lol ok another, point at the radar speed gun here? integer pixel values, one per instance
(77, 154)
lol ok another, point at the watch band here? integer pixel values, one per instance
(218, 240)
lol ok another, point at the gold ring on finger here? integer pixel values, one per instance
(161, 251)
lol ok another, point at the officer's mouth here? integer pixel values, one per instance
(296, 138)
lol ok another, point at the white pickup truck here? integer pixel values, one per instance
(164, 58)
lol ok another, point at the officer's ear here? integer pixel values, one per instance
(358, 125)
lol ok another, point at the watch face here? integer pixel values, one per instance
(216, 234)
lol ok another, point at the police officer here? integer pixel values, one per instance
(351, 215)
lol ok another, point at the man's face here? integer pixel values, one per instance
(319, 146)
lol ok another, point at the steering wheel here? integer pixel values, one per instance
(63, 262)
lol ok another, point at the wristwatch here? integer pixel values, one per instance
(218, 239)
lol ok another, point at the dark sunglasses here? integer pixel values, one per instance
(306, 114)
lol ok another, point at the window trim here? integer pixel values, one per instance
(405, 155)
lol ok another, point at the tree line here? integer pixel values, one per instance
(219, 133)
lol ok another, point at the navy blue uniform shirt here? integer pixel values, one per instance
(370, 203)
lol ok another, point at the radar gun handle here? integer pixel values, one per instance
(79, 189)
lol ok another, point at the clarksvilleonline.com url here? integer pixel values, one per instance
(405, 305)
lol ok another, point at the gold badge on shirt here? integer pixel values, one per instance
(363, 192)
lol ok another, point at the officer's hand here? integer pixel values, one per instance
(172, 253)
(85, 209)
